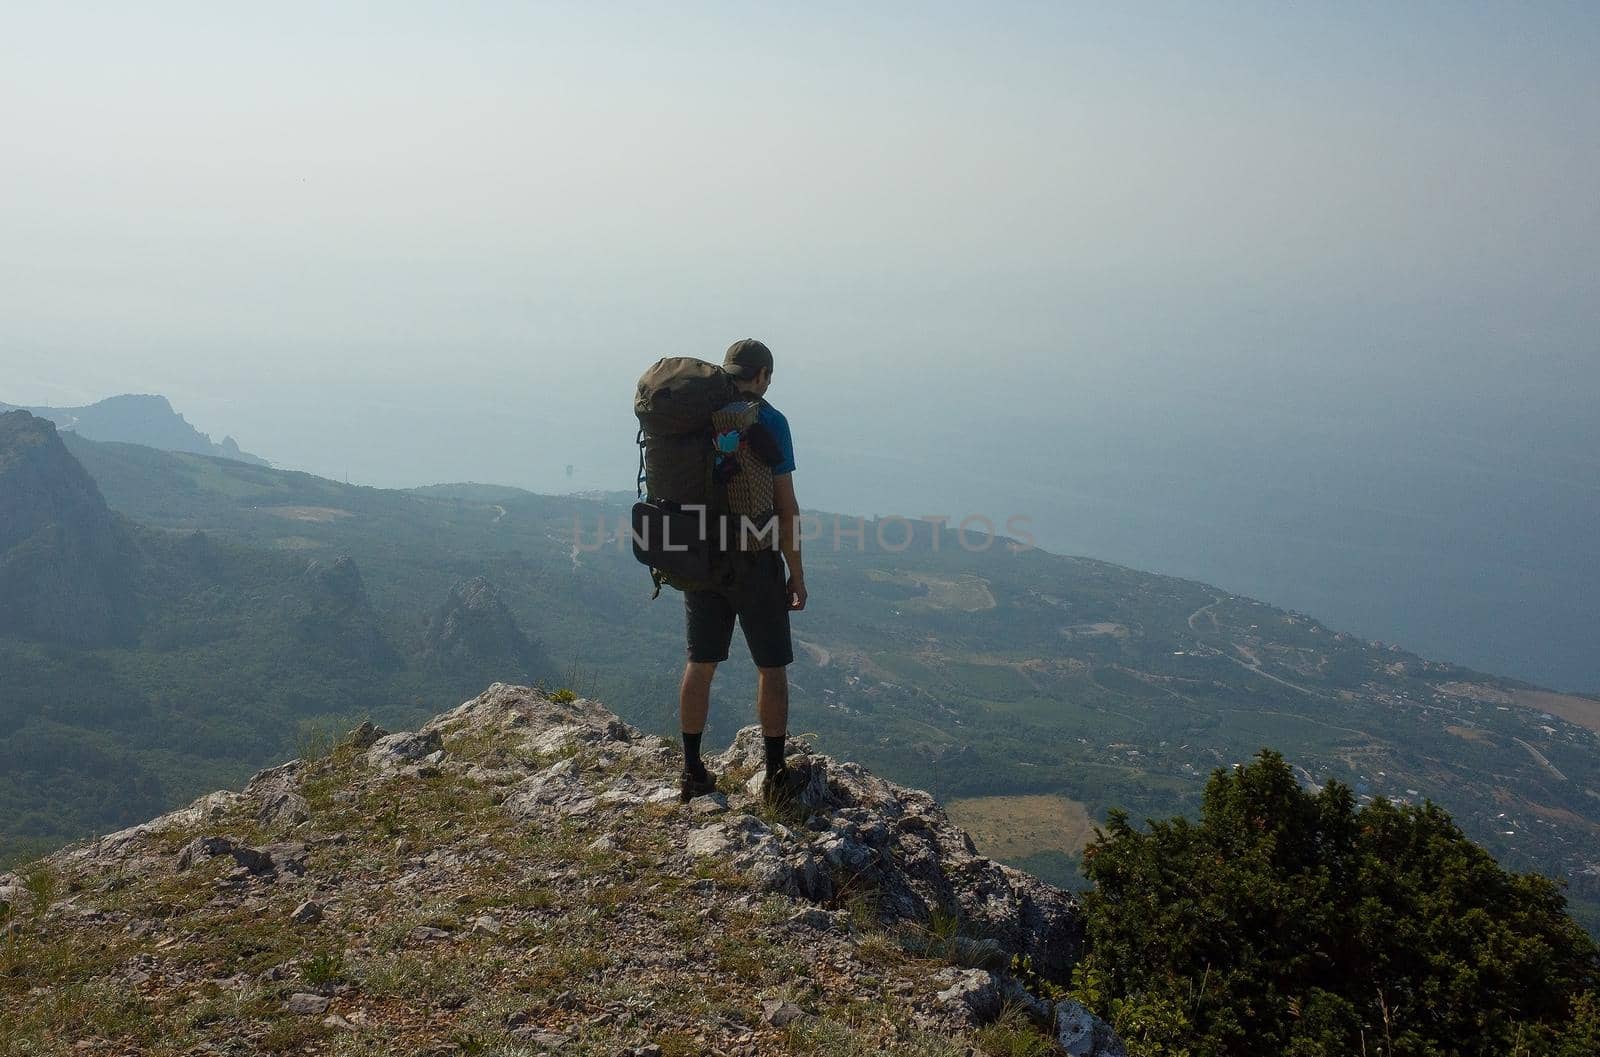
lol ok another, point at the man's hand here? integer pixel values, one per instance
(787, 508)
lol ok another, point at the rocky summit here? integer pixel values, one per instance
(519, 877)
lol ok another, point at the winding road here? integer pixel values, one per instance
(819, 654)
(1210, 605)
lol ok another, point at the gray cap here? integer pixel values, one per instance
(746, 358)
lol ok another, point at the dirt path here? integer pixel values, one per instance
(819, 654)
(1304, 719)
(1204, 609)
(1254, 665)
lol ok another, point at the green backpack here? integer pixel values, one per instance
(693, 424)
(674, 403)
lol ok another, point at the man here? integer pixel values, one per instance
(759, 595)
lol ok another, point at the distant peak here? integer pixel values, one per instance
(150, 400)
(143, 418)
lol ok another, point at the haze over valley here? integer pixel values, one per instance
(1193, 419)
(1283, 303)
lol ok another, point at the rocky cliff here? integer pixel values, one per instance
(332, 613)
(65, 559)
(473, 630)
(518, 876)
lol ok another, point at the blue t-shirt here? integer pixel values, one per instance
(778, 427)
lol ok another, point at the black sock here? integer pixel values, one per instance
(691, 754)
(774, 752)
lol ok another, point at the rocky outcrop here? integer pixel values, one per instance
(851, 829)
(331, 612)
(1082, 1034)
(864, 831)
(229, 449)
(473, 630)
(338, 581)
(556, 829)
(392, 753)
(12, 893)
(277, 792)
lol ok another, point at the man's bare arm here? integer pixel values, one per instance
(787, 508)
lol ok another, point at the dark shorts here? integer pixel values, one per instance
(758, 597)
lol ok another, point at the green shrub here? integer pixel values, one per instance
(324, 967)
(1294, 922)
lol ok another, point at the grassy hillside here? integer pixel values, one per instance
(518, 878)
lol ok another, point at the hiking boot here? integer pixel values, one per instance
(691, 785)
(780, 787)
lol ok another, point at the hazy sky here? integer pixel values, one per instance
(419, 242)
(216, 193)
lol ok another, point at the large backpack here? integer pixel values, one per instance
(674, 403)
(700, 449)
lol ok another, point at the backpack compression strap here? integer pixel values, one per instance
(639, 484)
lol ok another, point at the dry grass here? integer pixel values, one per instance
(1469, 734)
(1583, 711)
(307, 513)
(968, 594)
(611, 948)
(1011, 827)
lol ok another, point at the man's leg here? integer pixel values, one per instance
(772, 705)
(764, 616)
(694, 702)
(708, 619)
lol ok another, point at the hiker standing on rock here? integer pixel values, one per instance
(719, 464)
(759, 595)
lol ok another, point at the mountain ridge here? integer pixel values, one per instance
(519, 871)
(140, 418)
(139, 665)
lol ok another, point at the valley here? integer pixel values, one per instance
(1007, 679)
